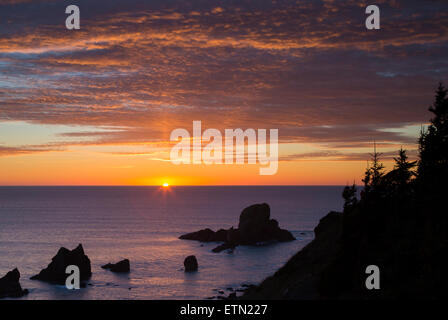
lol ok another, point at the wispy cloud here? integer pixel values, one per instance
(308, 68)
(20, 150)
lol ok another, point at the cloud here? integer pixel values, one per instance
(308, 68)
(341, 156)
(12, 151)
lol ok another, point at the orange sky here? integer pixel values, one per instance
(91, 168)
(96, 106)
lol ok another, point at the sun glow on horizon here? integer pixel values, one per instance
(165, 185)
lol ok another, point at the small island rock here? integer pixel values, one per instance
(120, 267)
(10, 286)
(254, 227)
(190, 264)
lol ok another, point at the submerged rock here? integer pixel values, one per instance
(10, 286)
(120, 267)
(55, 271)
(254, 227)
(190, 264)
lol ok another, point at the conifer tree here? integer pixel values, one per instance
(349, 195)
(433, 164)
(403, 168)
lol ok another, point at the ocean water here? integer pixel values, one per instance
(143, 224)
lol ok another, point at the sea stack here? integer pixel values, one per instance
(254, 227)
(191, 264)
(55, 271)
(10, 286)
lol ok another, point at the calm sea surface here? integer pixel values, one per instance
(143, 225)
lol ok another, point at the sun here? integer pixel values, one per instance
(165, 185)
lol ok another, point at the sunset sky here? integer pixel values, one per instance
(96, 106)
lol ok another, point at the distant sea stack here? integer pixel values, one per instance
(254, 227)
(55, 271)
(10, 286)
(191, 264)
(122, 266)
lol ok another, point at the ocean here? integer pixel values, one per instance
(143, 224)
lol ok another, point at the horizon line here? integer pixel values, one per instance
(185, 185)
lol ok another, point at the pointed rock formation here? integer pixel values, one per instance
(55, 271)
(255, 226)
(10, 286)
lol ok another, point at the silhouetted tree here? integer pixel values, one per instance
(377, 168)
(397, 182)
(400, 222)
(367, 180)
(373, 174)
(349, 195)
(403, 169)
(433, 164)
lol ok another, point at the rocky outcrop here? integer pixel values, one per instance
(254, 227)
(10, 286)
(409, 247)
(119, 267)
(55, 271)
(206, 235)
(191, 264)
